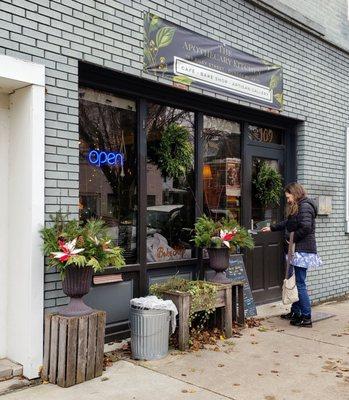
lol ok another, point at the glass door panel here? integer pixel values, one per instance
(263, 216)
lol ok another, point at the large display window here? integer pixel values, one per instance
(170, 183)
(108, 165)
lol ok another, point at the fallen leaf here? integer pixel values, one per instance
(262, 329)
(188, 391)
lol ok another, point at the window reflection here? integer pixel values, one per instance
(170, 183)
(222, 168)
(108, 167)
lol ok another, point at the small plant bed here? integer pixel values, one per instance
(202, 295)
(197, 300)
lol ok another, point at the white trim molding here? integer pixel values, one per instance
(24, 82)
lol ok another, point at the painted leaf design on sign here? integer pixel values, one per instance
(182, 79)
(153, 23)
(279, 97)
(147, 54)
(164, 36)
(274, 81)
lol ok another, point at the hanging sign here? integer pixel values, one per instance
(192, 59)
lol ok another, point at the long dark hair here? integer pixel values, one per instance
(299, 193)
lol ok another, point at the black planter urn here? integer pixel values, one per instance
(76, 283)
(219, 262)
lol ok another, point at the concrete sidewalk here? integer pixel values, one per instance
(273, 362)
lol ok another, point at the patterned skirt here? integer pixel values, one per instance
(309, 261)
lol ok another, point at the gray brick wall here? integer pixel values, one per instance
(109, 33)
(332, 15)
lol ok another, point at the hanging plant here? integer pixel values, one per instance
(267, 185)
(175, 152)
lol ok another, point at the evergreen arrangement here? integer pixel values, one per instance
(225, 232)
(267, 185)
(72, 242)
(173, 153)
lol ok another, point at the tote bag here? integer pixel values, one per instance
(289, 287)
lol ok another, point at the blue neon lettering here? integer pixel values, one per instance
(100, 158)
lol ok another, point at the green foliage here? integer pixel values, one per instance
(207, 233)
(156, 36)
(185, 80)
(98, 252)
(175, 152)
(164, 36)
(267, 185)
(203, 295)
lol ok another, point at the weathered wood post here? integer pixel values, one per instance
(73, 348)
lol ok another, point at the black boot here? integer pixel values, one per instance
(302, 322)
(290, 316)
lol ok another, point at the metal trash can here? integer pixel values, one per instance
(150, 331)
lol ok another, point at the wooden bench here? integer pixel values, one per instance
(230, 297)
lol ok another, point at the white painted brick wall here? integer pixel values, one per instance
(109, 33)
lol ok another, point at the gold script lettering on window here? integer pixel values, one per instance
(264, 134)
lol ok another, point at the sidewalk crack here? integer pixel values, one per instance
(184, 381)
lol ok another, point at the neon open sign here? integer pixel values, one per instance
(100, 158)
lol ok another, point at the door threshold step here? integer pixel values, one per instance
(9, 369)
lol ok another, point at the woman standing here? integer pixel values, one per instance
(301, 213)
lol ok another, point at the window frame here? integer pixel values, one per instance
(143, 91)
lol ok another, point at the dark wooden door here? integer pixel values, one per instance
(265, 263)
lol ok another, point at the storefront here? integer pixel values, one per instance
(236, 82)
(123, 122)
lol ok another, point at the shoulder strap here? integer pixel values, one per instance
(289, 253)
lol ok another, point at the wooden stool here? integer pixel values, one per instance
(225, 298)
(73, 348)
